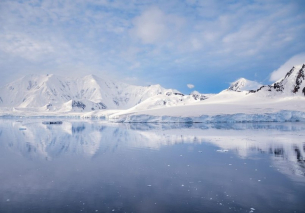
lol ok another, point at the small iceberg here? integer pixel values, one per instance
(222, 150)
(52, 122)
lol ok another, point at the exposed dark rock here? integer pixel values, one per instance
(203, 97)
(289, 73)
(299, 79)
(102, 106)
(254, 91)
(303, 91)
(54, 92)
(99, 106)
(279, 86)
(62, 84)
(31, 85)
(173, 93)
(176, 93)
(49, 106)
(116, 102)
(234, 86)
(78, 104)
(198, 96)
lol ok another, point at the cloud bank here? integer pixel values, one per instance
(168, 42)
(296, 60)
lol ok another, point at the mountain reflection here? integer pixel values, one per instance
(284, 141)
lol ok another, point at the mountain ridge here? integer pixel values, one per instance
(293, 84)
(52, 93)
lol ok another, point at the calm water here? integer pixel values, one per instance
(96, 167)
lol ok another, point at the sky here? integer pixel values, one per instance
(182, 44)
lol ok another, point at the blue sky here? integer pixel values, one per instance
(207, 44)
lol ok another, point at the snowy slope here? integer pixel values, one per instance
(281, 101)
(55, 93)
(170, 99)
(243, 110)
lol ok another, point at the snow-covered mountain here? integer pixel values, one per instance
(281, 102)
(55, 93)
(169, 100)
(199, 96)
(50, 95)
(293, 84)
(243, 84)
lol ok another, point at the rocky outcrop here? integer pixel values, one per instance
(292, 84)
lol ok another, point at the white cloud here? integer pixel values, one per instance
(282, 70)
(191, 86)
(149, 39)
(150, 26)
(21, 45)
(154, 25)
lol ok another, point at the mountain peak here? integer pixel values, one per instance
(243, 84)
(292, 84)
(195, 93)
(90, 78)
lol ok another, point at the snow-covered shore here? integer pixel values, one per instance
(281, 116)
(246, 109)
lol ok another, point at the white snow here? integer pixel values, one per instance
(93, 97)
(280, 102)
(50, 93)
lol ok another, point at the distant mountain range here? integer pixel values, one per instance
(55, 93)
(51, 93)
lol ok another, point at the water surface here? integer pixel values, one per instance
(80, 166)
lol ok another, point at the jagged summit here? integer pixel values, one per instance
(198, 96)
(243, 84)
(292, 84)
